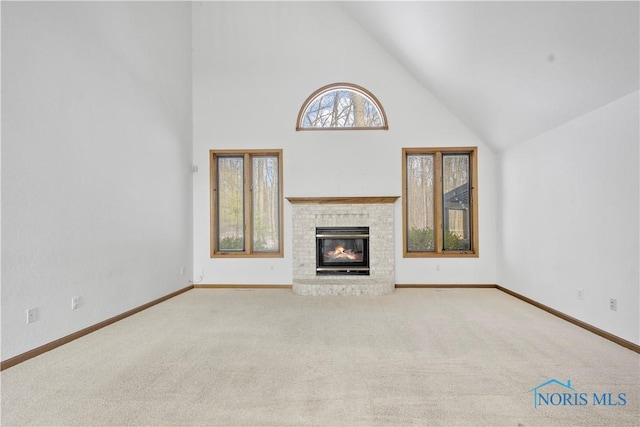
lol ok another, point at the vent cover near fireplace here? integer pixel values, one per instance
(342, 251)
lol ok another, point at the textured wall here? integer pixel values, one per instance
(569, 218)
(254, 65)
(96, 149)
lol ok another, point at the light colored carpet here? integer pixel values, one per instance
(269, 357)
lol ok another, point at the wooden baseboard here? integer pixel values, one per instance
(205, 286)
(604, 334)
(74, 336)
(64, 340)
(479, 286)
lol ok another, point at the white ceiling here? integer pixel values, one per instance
(512, 70)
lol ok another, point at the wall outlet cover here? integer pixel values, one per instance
(32, 315)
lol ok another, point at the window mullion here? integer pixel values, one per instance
(213, 200)
(438, 197)
(248, 204)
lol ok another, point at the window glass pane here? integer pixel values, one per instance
(266, 204)
(420, 208)
(341, 108)
(455, 193)
(230, 203)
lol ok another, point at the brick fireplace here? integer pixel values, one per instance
(311, 213)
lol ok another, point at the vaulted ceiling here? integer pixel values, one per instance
(512, 70)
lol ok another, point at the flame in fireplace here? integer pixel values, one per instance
(340, 253)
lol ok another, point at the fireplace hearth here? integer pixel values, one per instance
(342, 251)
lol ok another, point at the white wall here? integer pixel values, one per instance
(96, 188)
(96, 141)
(254, 65)
(569, 218)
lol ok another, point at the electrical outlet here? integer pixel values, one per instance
(75, 302)
(32, 315)
(182, 271)
(613, 304)
(580, 293)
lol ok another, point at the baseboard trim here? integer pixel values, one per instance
(74, 336)
(477, 286)
(206, 286)
(67, 339)
(604, 334)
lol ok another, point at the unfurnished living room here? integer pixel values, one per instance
(285, 213)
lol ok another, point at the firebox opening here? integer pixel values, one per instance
(342, 250)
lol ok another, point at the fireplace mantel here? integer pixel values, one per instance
(342, 200)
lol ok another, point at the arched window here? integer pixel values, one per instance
(341, 106)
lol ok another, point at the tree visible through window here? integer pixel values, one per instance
(341, 106)
(440, 214)
(246, 203)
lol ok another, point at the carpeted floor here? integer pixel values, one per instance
(453, 357)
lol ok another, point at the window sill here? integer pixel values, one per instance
(467, 254)
(245, 255)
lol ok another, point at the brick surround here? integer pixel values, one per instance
(375, 213)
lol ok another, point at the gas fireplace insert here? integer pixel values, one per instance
(342, 250)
